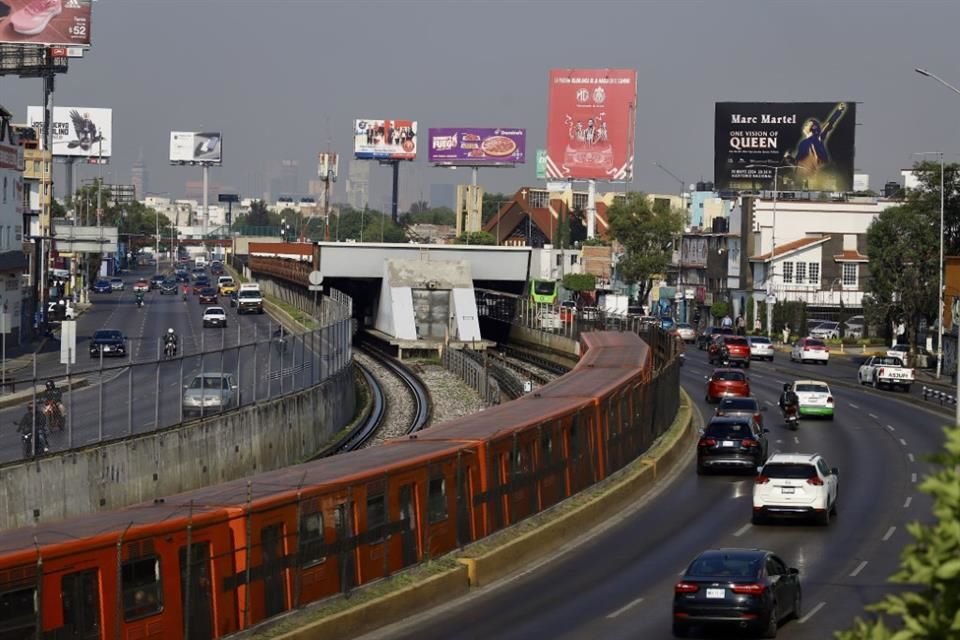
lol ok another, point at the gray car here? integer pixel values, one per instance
(210, 392)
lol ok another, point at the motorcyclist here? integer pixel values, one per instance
(170, 340)
(34, 418)
(52, 393)
(139, 298)
(789, 402)
(53, 410)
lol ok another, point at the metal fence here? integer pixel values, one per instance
(109, 398)
(474, 374)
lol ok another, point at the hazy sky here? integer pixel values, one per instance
(285, 78)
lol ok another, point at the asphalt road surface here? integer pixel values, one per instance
(618, 582)
(134, 394)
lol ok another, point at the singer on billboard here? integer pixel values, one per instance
(812, 153)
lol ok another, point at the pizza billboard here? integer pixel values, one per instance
(193, 147)
(60, 23)
(385, 139)
(811, 142)
(476, 146)
(590, 124)
(83, 132)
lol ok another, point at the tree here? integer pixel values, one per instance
(903, 247)
(579, 282)
(476, 237)
(491, 205)
(259, 215)
(720, 309)
(647, 237)
(931, 566)
(926, 197)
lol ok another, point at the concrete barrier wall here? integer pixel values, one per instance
(551, 342)
(266, 436)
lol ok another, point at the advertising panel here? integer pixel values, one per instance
(328, 166)
(191, 147)
(385, 139)
(476, 146)
(78, 131)
(811, 142)
(50, 22)
(590, 124)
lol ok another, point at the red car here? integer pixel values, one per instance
(208, 295)
(732, 406)
(727, 382)
(729, 350)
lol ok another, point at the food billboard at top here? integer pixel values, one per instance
(385, 139)
(476, 146)
(590, 124)
(194, 147)
(78, 131)
(811, 142)
(49, 22)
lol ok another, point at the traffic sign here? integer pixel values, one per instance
(315, 278)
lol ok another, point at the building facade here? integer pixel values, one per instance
(13, 262)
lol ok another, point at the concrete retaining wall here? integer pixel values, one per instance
(267, 436)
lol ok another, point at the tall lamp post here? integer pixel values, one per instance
(940, 270)
(773, 233)
(683, 186)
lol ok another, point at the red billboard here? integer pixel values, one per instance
(590, 124)
(50, 22)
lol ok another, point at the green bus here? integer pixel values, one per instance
(543, 291)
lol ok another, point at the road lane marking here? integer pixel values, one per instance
(856, 572)
(796, 440)
(910, 457)
(812, 612)
(630, 604)
(903, 442)
(906, 503)
(913, 478)
(742, 530)
(890, 427)
(770, 404)
(873, 415)
(888, 534)
(853, 406)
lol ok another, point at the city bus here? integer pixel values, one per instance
(543, 291)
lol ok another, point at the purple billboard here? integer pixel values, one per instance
(477, 146)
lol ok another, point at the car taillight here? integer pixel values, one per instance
(829, 399)
(707, 442)
(749, 443)
(882, 371)
(686, 587)
(815, 481)
(750, 589)
(806, 348)
(762, 480)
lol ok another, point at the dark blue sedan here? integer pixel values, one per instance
(102, 286)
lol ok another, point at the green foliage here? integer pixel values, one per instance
(259, 216)
(647, 237)
(492, 203)
(368, 225)
(793, 313)
(437, 215)
(578, 282)
(720, 309)
(930, 566)
(927, 198)
(476, 237)
(57, 210)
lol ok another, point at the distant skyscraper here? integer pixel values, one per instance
(358, 184)
(139, 178)
(285, 179)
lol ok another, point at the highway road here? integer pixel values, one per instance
(103, 409)
(618, 582)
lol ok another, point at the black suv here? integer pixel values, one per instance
(156, 281)
(706, 336)
(108, 341)
(735, 442)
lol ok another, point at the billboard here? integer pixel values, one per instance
(812, 142)
(78, 131)
(476, 146)
(385, 139)
(590, 124)
(56, 22)
(191, 147)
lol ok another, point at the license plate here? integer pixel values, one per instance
(716, 593)
(786, 490)
(728, 443)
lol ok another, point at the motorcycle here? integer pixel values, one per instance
(170, 349)
(791, 416)
(55, 414)
(139, 301)
(27, 440)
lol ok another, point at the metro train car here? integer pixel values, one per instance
(212, 561)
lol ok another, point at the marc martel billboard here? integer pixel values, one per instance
(812, 143)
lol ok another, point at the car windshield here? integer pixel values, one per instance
(209, 291)
(729, 430)
(759, 340)
(214, 311)
(814, 343)
(729, 565)
(683, 325)
(789, 470)
(890, 362)
(738, 404)
(738, 342)
(543, 287)
(248, 294)
(106, 335)
(115, 280)
(209, 382)
(811, 388)
(729, 375)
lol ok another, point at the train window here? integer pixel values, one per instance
(574, 438)
(18, 612)
(437, 500)
(142, 589)
(546, 446)
(376, 516)
(80, 595)
(311, 539)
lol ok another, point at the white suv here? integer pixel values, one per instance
(795, 485)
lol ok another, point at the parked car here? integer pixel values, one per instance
(157, 280)
(809, 350)
(214, 317)
(727, 382)
(210, 393)
(737, 406)
(706, 336)
(141, 286)
(732, 442)
(102, 286)
(795, 485)
(686, 332)
(116, 284)
(736, 588)
(815, 398)
(109, 342)
(761, 348)
(924, 359)
(729, 349)
(208, 295)
(854, 326)
(826, 330)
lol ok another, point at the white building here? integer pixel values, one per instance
(13, 263)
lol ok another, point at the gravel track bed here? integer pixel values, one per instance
(451, 397)
(399, 413)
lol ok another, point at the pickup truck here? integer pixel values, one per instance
(885, 370)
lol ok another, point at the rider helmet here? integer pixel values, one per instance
(786, 386)
(170, 331)
(51, 385)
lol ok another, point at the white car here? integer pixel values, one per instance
(760, 348)
(825, 330)
(214, 317)
(815, 398)
(686, 332)
(795, 485)
(854, 326)
(810, 350)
